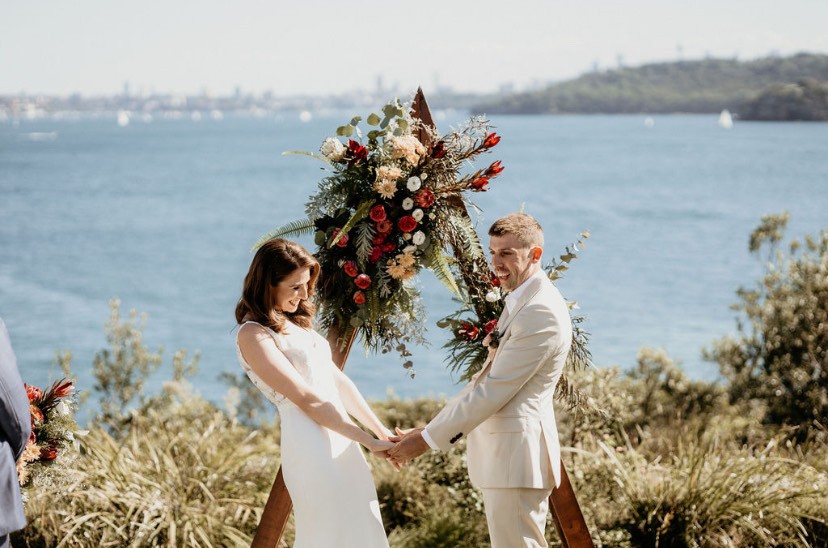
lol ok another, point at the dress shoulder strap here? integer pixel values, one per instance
(273, 335)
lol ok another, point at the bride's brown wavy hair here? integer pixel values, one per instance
(275, 260)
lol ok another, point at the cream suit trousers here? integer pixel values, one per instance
(516, 516)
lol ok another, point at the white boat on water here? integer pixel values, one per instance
(123, 118)
(725, 119)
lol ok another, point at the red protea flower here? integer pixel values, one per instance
(388, 247)
(362, 281)
(491, 140)
(359, 297)
(494, 170)
(376, 254)
(49, 452)
(490, 326)
(385, 227)
(377, 213)
(350, 268)
(379, 239)
(358, 152)
(407, 223)
(36, 413)
(469, 331)
(479, 184)
(33, 392)
(343, 241)
(424, 198)
(438, 150)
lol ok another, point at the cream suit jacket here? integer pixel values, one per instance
(506, 409)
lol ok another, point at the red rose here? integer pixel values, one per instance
(33, 392)
(377, 213)
(407, 223)
(468, 331)
(388, 247)
(490, 326)
(350, 268)
(359, 297)
(494, 279)
(362, 281)
(375, 255)
(491, 140)
(494, 170)
(385, 227)
(438, 150)
(479, 184)
(343, 241)
(424, 198)
(358, 152)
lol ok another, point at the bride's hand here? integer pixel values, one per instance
(385, 434)
(379, 447)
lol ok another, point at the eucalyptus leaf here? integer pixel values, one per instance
(355, 120)
(385, 122)
(303, 153)
(343, 131)
(398, 131)
(373, 119)
(402, 124)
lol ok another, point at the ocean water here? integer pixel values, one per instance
(162, 215)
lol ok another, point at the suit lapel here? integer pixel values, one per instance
(535, 286)
(506, 319)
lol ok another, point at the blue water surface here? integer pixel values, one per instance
(162, 215)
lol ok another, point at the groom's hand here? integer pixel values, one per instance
(410, 446)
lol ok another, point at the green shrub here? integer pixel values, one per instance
(780, 357)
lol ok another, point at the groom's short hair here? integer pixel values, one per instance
(521, 225)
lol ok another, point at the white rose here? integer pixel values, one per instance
(410, 249)
(417, 214)
(414, 183)
(493, 296)
(418, 238)
(407, 204)
(62, 409)
(333, 149)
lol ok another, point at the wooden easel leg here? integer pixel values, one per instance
(275, 515)
(569, 520)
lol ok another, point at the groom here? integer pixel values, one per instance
(506, 409)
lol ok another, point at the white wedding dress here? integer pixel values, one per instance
(334, 499)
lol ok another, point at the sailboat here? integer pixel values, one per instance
(725, 119)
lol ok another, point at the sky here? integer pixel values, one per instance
(325, 47)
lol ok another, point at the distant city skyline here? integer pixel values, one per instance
(322, 47)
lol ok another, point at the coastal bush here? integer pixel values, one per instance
(181, 473)
(780, 356)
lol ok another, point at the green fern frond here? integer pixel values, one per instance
(360, 213)
(293, 228)
(442, 270)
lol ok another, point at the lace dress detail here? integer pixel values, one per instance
(334, 499)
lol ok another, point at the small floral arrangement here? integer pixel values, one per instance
(474, 325)
(392, 203)
(53, 427)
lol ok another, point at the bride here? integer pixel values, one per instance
(335, 501)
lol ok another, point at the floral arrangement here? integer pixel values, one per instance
(392, 203)
(53, 427)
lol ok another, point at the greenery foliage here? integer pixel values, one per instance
(780, 356)
(806, 100)
(708, 85)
